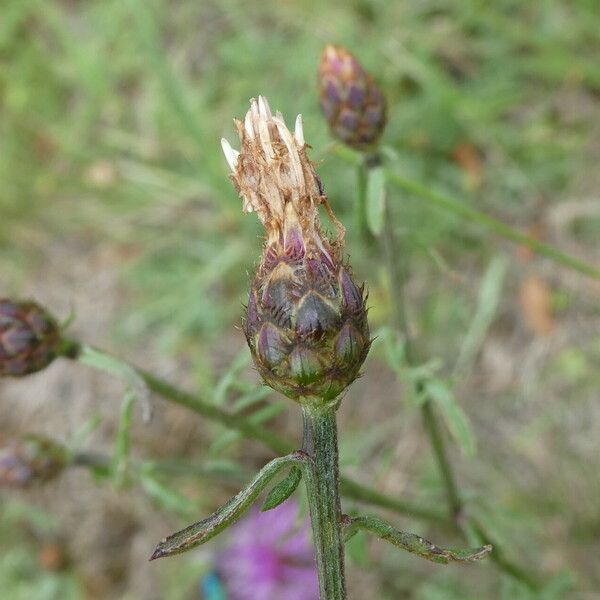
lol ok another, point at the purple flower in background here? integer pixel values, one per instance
(270, 557)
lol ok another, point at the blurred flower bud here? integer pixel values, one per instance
(351, 101)
(30, 460)
(29, 338)
(306, 322)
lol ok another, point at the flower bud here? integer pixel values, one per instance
(352, 103)
(29, 338)
(306, 322)
(30, 460)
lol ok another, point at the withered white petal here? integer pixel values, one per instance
(264, 108)
(231, 155)
(299, 131)
(248, 125)
(277, 180)
(294, 159)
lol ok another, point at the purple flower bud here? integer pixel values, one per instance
(29, 338)
(30, 460)
(352, 103)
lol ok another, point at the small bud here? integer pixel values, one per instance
(352, 103)
(29, 338)
(306, 322)
(30, 460)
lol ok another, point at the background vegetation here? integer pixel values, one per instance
(115, 203)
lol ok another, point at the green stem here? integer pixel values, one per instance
(215, 413)
(103, 463)
(321, 479)
(398, 278)
(437, 443)
(398, 271)
(505, 565)
(360, 214)
(368, 495)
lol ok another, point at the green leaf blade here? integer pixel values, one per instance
(283, 490)
(375, 198)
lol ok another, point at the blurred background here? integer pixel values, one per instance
(115, 206)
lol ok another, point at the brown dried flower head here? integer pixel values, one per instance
(306, 322)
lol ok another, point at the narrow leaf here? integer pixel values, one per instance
(262, 415)
(283, 490)
(204, 530)
(165, 496)
(120, 461)
(232, 374)
(102, 361)
(411, 542)
(456, 420)
(375, 199)
(357, 550)
(487, 305)
(361, 203)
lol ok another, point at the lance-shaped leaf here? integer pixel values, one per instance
(375, 198)
(283, 490)
(102, 361)
(412, 542)
(204, 530)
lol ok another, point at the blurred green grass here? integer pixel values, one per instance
(110, 118)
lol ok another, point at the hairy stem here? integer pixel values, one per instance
(321, 479)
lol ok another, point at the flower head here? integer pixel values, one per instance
(306, 322)
(29, 338)
(270, 557)
(30, 460)
(350, 99)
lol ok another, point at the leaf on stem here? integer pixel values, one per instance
(411, 542)
(456, 420)
(283, 490)
(102, 361)
(375, 197)
(120, 461)
(485, 312)
(204, 530)
(164, 495)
